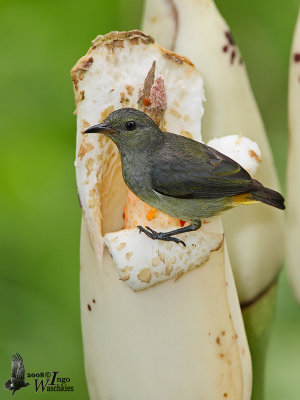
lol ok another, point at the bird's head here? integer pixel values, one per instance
(126, 127)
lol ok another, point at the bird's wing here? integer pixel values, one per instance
(187, 169)
(17, 367)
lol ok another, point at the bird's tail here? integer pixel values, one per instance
(269, 196)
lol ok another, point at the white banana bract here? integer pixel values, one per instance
(195, 28)
(293, 251)
(158, 322)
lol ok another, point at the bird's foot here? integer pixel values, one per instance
(159, 235)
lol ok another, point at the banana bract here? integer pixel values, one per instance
(293, 255)
(158, 322)
(196, 29)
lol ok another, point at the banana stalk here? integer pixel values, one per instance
(158, 321)
(293, 219)
(196, 29)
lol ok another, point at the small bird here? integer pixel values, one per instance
(179, 176)
(17, 380)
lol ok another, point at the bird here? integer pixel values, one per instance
(177, 175)
(17, 380)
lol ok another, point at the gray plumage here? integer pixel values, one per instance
(177, 175)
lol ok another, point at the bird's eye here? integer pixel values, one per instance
(130, 125)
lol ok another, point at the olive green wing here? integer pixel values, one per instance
(184, 168)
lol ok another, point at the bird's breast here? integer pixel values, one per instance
(136, 174)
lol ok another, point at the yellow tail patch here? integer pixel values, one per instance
(245, 198)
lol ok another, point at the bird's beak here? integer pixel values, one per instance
(100, 128)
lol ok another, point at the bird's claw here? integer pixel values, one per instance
(159, 235)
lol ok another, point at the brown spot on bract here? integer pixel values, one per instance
(223, 333)
(176, 58)
(155, 261)
(134, 40)
(161, 256)
(129, 89)
(89, 165)
(89, 307)
(94, 301)
(121, 246)
(232, 57)
(79, 70)
(145, 275)
(175, 113)
(231, 48)
(85, 123)
(218, 341)
(106, 113)
(86, 63)
(229, 36)
(169, 269)
(221, 355)
(84, 148)
(124, 100)
(255, 155)
(128, 268)
(297, 57)
(125, 277)
(225, 394)
(111, 39)
(79, 96)
(128, 255)
(75, 82)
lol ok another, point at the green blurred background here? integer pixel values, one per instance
(40, 222)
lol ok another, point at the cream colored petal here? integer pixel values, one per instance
(293, 175)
